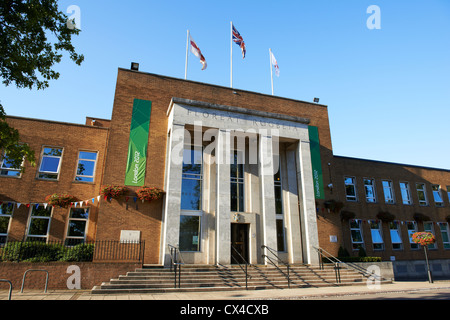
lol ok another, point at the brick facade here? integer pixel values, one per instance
(110, 138)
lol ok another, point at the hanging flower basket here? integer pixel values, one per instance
(110, 191)
(423, 238)
(333, 206)
(149, 193)
(386, 216)
(61, 200)
(347, 215)
(421, 217)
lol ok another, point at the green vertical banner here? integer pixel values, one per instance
(137, 147)
(316, 162)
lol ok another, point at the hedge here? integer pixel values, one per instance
(46, 252)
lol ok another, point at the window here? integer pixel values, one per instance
(406, 194)
(377, 235)
(388, 191)
(6, 211)
(7, 168)
(396, 238)
(443, 226)
(191, 186)
(350, 188)
(369, 187)
(86, 166)
(422, 194)
(191, 199)
(412, 228)
(428, 227)
(237, 182)
(39, 223)
(356, 234)
(448, 193)
(76, 230)
(437, 195)
(279, 210)
(50, 163)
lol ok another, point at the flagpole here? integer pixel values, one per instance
(271, 71)
(231, 54)
(187, 54)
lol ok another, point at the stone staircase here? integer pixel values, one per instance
(220, 278)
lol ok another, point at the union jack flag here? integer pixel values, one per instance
(237, 38)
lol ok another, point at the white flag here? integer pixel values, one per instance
(275, 64)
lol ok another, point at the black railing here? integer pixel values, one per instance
(176, 261)
(97, 251)
(270, 260)
(242, 261)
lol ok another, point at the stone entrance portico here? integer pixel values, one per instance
(265, 142)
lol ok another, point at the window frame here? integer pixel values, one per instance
(31, 218)
(192, 212)
(445, 244)
(377, 246)
(39, 172)
(372, 186)
(86, 220)
(238, 181)
(9, 216)
(407, 189)
(439, 194)
(422, 203)
(90, 160)
(413, 245)
(389, 187)
(355, 244)
(432, 246)
(18, 170)
(353, 185)
(394, 227)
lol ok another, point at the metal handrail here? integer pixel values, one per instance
(279, 260)
(10, 287)
(338, 263)
(177, 262)
(25, 273)
(246, 266)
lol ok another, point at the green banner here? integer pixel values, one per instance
(316, 162)
(137, 147)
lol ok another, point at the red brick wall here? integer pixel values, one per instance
(92, 274)
(28, 189)
(379, 171)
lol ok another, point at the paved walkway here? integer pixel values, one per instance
(272, 294)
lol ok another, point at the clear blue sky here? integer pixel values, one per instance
(387, 90)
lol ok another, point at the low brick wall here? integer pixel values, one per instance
(91, 274)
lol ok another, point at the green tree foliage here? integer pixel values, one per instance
(27, 58)
(25, 52)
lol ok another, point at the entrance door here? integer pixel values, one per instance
(239, 241)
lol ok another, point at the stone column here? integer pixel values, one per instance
(223, 198)
(172, 205)
(292, 215)
(268, 213)
(310, 237)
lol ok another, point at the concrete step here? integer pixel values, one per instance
(203, 278)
